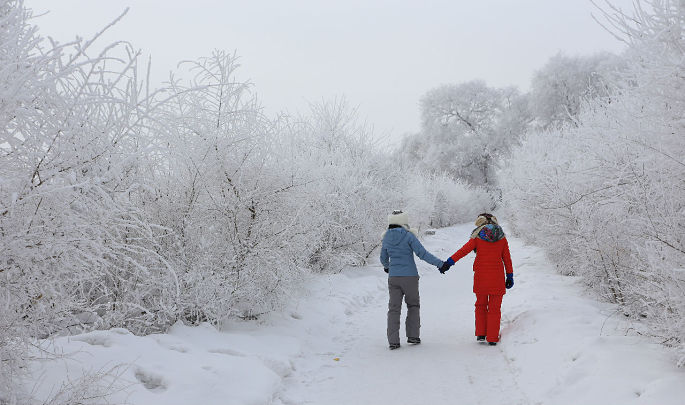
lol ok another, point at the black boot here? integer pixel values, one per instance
(413, 340)
(480, 338)
(394, 346)
(492, 343)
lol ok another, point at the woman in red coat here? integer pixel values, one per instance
(492, 260)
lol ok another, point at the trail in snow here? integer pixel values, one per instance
(558, 346)
(448, 366)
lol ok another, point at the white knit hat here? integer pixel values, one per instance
(398, 218)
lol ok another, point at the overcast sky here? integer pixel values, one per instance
(382, 55)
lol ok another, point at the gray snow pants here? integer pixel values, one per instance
(409, 288)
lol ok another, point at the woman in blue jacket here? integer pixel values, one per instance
(397, 257)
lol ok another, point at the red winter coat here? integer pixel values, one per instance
(491, 260)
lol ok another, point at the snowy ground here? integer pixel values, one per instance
(558, 347)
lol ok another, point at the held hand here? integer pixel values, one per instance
(510, 281)
(446, 265)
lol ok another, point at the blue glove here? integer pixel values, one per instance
(446, 265)
(510, 281)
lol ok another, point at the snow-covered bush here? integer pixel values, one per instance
(606, 197)
(338, 170)
(437, 200)
(219, 187)
(75, 247)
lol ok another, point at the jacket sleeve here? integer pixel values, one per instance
(422, 253)
(506, 257)
(466, 249)
(385, 258)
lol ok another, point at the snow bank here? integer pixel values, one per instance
(244, 363)
(186, 366)
(568, 348)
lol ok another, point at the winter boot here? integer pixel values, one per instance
(413, 340)
(480, 338)
(492, 343)
(394, 346)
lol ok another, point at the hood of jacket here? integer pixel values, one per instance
(490, 233)
(395, 236)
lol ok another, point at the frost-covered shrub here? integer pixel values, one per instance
(340, 175)
(607, 197)
(219, 188)
(438, 200)
(75, 247)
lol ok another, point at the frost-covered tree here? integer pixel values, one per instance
(465, 129)
(559, 88)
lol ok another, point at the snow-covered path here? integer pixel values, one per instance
(558, 346)
(448, 366)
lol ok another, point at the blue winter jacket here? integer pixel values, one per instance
(397, 253)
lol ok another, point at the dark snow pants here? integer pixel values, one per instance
(488, 316)
(407, 287)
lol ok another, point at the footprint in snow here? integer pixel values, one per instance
(228, 352)
(151, 381)
(94, 339)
